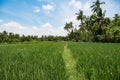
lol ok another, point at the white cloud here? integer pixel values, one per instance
(45, 29)
(80, 5)
(75, 4)
(111, 7)
(86, 6)
(1, 20)
(48, 7)
(36, 9)
(72, 8)
(72, 19)
(47, 25)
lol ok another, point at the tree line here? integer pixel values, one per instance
(11, 37)
(93, 28)
(96, 27)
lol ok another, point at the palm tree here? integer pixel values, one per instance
(116, 19)
(99, 19)
(107, 21)
(96, 6)
(68, 26)
(88, 23)
(80, 16)
(5, 33)
(11, 35)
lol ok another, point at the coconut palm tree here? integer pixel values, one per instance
(99, 18)
(116, 19)
(107, 21)
(80, 17)
(68, 26)
(96, 6)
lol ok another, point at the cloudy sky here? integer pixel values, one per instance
(46, 17)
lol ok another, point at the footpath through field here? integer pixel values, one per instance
(70, 63)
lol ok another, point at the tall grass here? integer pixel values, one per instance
(97, 61)
(33, 61)
(44, 61)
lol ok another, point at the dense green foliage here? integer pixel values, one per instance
(11, 37)
(39, 60)
(45, 61)
(93, 28)
(32, 61)
(96, 61)
(97, 27)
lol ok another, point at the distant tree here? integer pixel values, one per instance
(107, 21)
(11, 35)
(81, 17)
(68, 26)
(99, 17)
(87, 24)
(96, 6)
(116, 20)
(22, 38)
(5, 36)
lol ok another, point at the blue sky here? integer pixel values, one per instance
(46, 17)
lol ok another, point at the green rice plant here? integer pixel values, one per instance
(32, 61)
(96, 61)
(44, 61)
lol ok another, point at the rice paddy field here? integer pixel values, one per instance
(96, 61)
(60, 61)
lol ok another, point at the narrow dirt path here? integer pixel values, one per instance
(70, 63)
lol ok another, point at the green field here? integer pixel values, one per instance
(60, 61)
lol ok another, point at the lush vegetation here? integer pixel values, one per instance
(96, 61)
(93, 28)
(11, 37)
(32, 61)
(40, 60)
(45, 61)
(96, 27)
